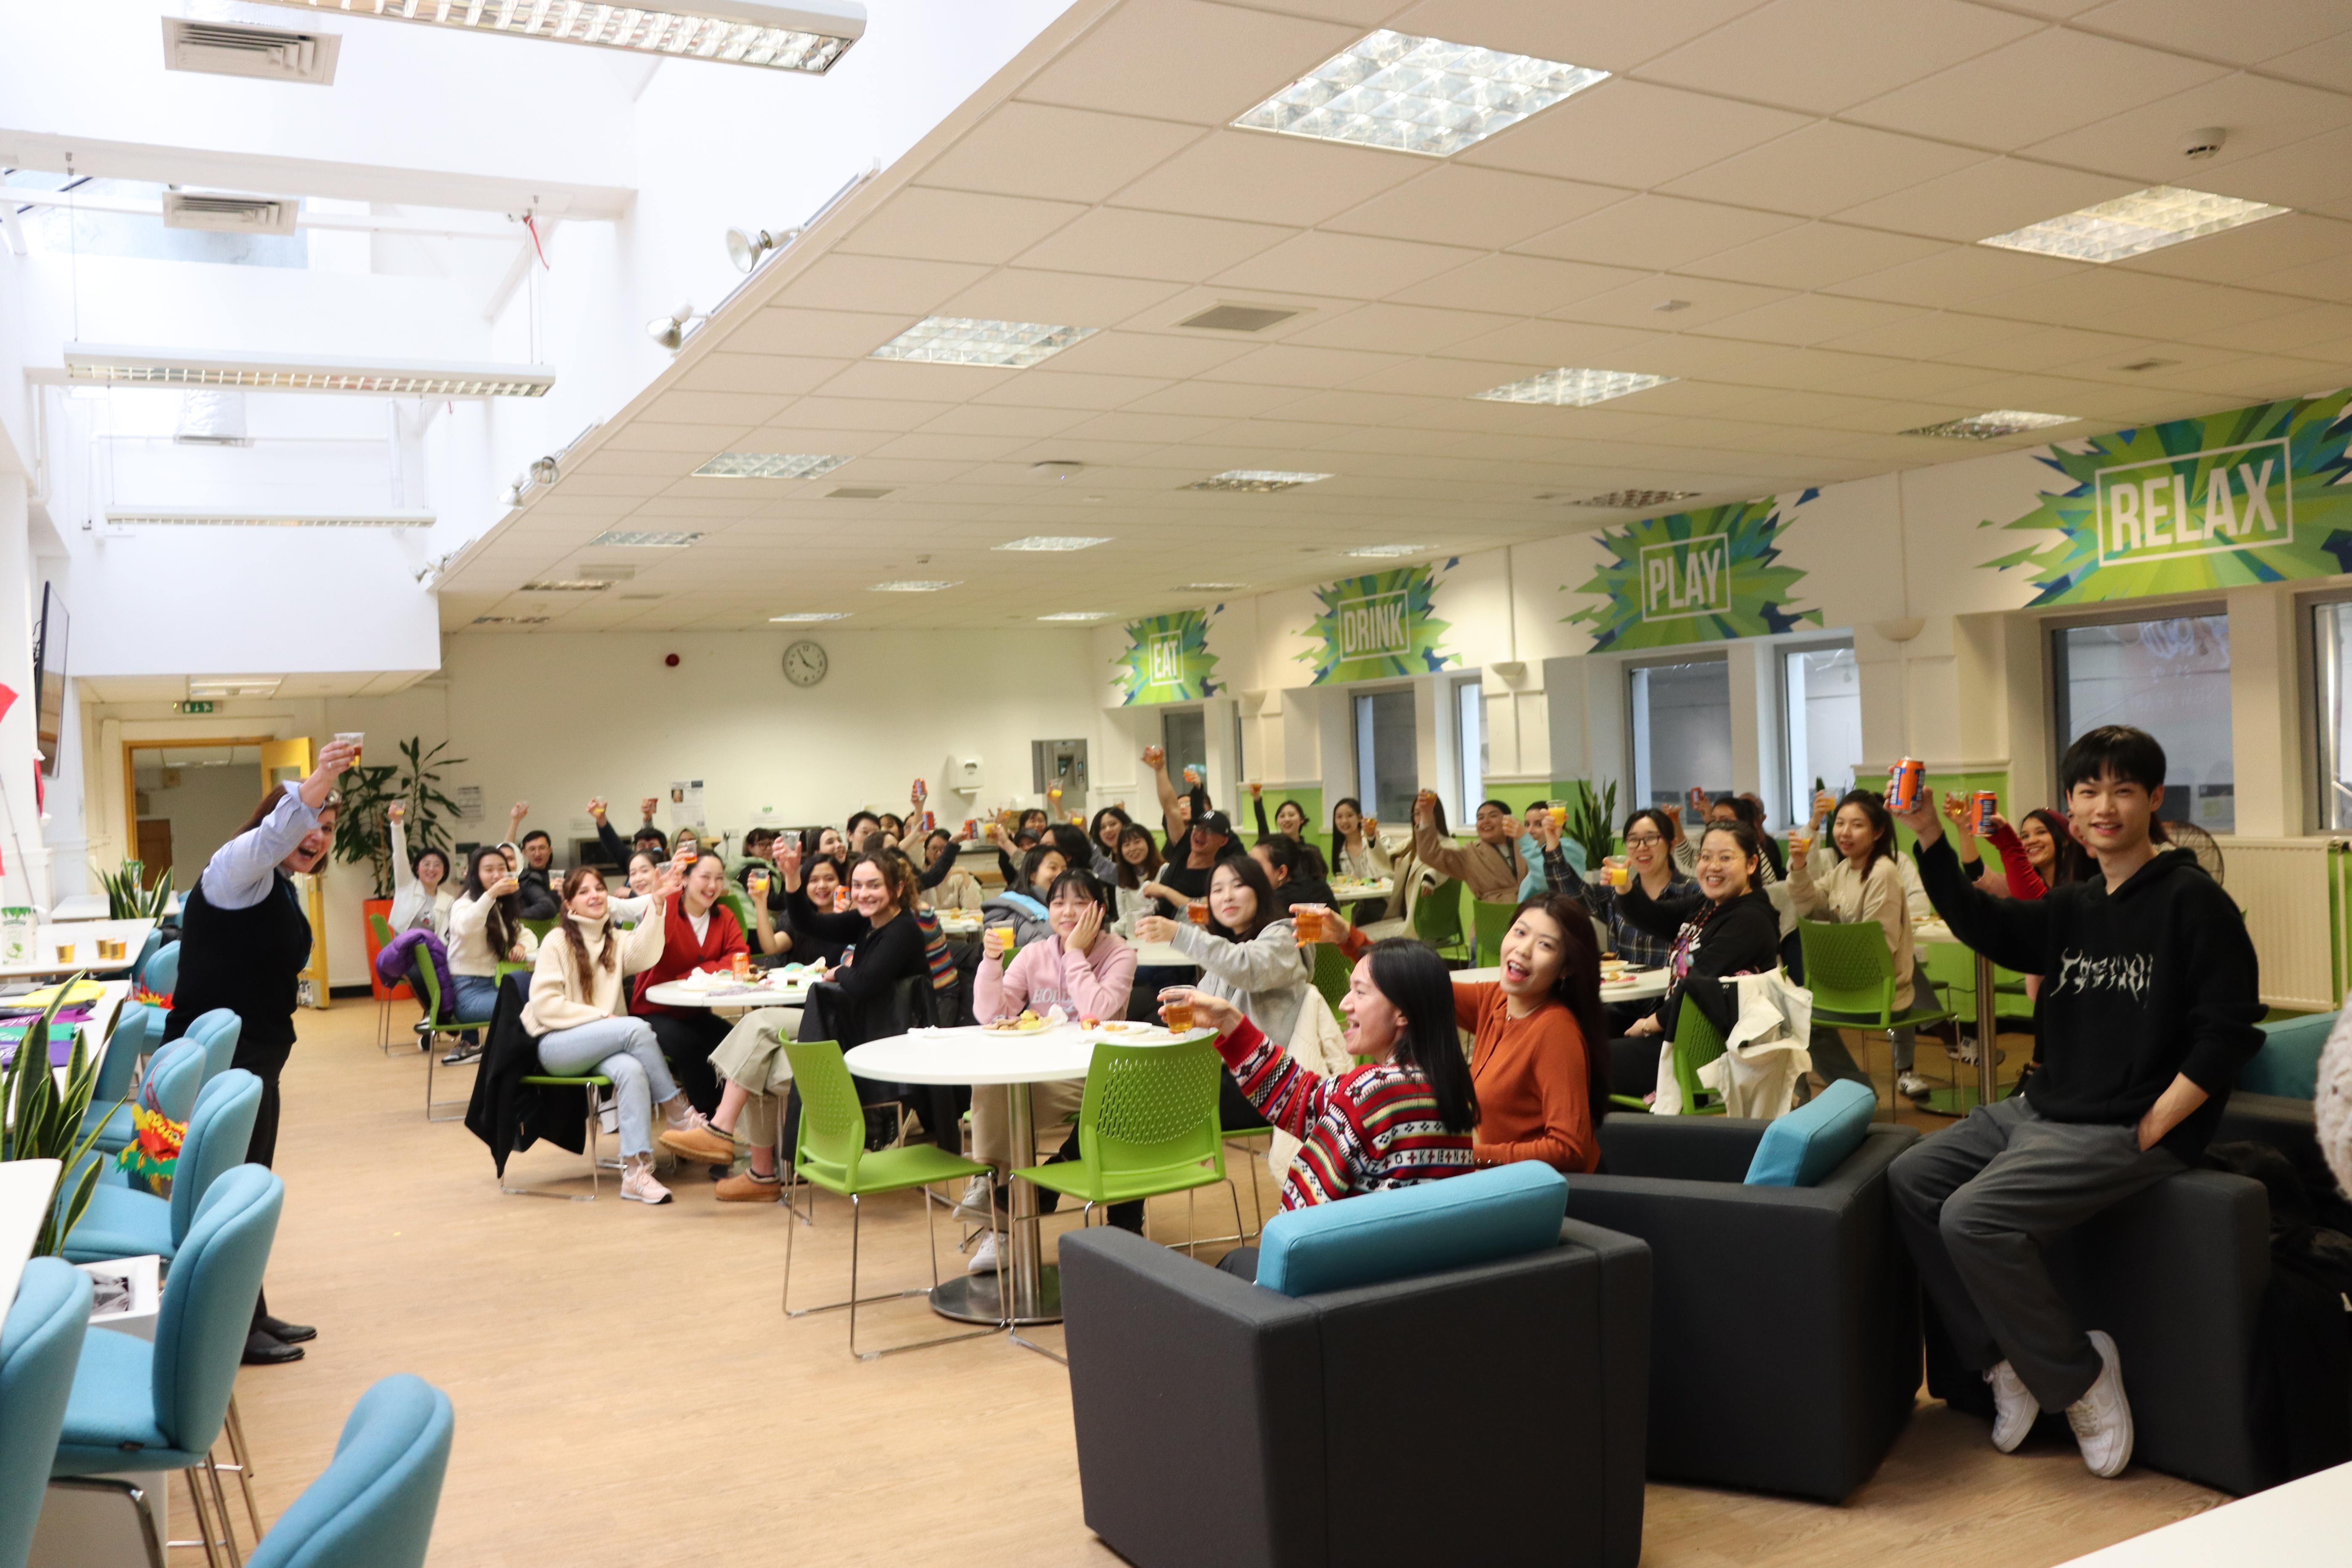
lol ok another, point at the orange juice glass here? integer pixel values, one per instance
(1177, 1012)
(1307, 925)
(1621, 872)
(1197, 911)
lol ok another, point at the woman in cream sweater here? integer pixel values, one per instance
(1864, 882)
(576, 1012)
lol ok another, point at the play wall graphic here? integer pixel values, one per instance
(1696, 577)
(1378, 627)
(1167, 659)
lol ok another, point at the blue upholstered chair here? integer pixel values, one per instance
(160, 973)
(177, 1074)
(373, 1507)
(147, 949)
(135, 1028)
(124, 1222)
(218, 1032)
(159, 1405)
(40, 1344)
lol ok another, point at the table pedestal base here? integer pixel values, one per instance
(974, 1299)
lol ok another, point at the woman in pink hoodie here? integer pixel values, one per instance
(1084, 968)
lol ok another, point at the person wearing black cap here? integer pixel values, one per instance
(1211, 840)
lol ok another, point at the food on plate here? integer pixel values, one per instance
(1025, 1023)
(1086, 1023)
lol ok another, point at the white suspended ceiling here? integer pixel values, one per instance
(1775, 203)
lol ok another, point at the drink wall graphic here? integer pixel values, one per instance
(1696, 577)
(1378, 626)
(1167, 659)
(2255, 495)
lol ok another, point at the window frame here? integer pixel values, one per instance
(1661, 658)
(2055, 664)
(1366, 777)
(2318, 678)
(1800, 795)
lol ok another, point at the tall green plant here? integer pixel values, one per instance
(46, 1123)
(1592, 822)
(364, 832)
(126, 899)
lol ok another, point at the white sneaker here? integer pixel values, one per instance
(1918, 1087)
(2102, 1418)
(2013, 1408)
(983, 1257)
(973, 1204)
(1967, 1053)
(686, 1120)
(637, 1183)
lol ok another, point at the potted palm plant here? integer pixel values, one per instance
(44, 1121)
(1592, 822)
(363, 830)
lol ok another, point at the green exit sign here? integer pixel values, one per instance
(192, 707)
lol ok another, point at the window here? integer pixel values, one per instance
(1387, 771)
(2332, 644)
(1470, 742)
(1820, 701)
(1682, 730)
(1184, 735)
(2170, 677)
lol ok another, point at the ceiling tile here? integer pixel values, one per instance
(2324, 64)
(728, 408)
(1632, 133)
(1656, 232)
(1811, 254)
(1181, 59)
(649, 435)
(879, 283)
(864, 413)
(1068, 390)
(1464, 205)
(1822, 56)
(1987, 199)
(1038, 150)
(2144, 145)
(1123, 243)
(1824, 168)
(1405, 329)
(2310, 173)
(1260, 177)
(2329, 280)
(1957, 276)
(1294, 364)
(1933, 336)
(958, 225)
(2241, 34)
(2028, 91)
(1350, 265)
(1704, 300)
(1517, 285)
(1063, 299)
(950, 449)
(2207, 307)
(756, 373)
(1564, 343)
(1802, 319)
(1230, 400)
(1613, 37)
(2255, 251)
(1168, 355)
(826, 335)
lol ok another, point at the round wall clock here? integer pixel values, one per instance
(805, 664)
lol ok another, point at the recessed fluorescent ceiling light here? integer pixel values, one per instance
(1077, 616)
(805, 38)
(1258, 481)
(1209, 587)
(566, 586)
(960, 340)
(916, 585)
(177, 518)
(1627, 500)
(629, 539)
(768, 466)
(1417, 95)
(1383, 551)
(300, 373)
(1999, 422)
(1572, 388)
(1053, 542)
(203, 685)
(510, 620)
(812, 615)
(2134, 224)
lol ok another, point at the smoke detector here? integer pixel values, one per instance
(1057, 469)
(2203, 143)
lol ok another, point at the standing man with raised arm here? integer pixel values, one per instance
(539, 900)
(2148, 1011)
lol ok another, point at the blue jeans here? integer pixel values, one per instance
(623, 1050)
(472, 998)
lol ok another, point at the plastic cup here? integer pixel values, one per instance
(1307, 924)
(352, 737)
(1620, 871)
(1197, 911)
(1177, 1014)
(65, 952)
(1559, 818)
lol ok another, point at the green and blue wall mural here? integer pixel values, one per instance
(1378, 627)
(1696, 577)
(1167, 659)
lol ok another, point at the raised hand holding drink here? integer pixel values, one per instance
(1176, 1010)
(1985, 805)
(1903, 783)
(1306, 924)
(1197, 911)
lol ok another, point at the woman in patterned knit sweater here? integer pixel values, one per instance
(1404, 1115)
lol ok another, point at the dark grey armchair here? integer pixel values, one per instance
(1784, 1355)
(1219, 1422)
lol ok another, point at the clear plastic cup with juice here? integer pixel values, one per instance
(1306, 923)
(1197, 911)
(1620, 871)
(1176, 1011)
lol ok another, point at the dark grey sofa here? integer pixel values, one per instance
(1784, 1351)
(1221, 1422)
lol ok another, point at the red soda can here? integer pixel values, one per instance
(1985, 804)
(1902, 782)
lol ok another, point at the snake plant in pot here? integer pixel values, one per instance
(46, 1122)
(127, 899)
(1592, 822)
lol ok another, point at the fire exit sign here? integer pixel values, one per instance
(192, 707)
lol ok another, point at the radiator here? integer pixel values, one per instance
(2297, 895)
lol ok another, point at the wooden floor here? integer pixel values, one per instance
(626, 1390)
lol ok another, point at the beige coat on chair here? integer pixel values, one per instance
(1320, 1046)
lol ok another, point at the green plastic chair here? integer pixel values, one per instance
(380, 928)
(594, 1085)
(1437, 919)
(1488, 923)
(540, 928)
(830, 1152)
(1333, 973)
(1952, 969)
(1147, 1126)
(1851, 973)
(1697, 1043)
(429, 1031)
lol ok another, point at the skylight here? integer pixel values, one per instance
(630, 539)
(1573, 388)
(1383, 552)
(2134, 224)
(1257, 481)
(916, 585)
(960, 340)
(768, 466)
(1991, 424)
(1417, 95)
(1053, 542)
(805, 38)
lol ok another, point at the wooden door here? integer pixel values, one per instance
(154, 849)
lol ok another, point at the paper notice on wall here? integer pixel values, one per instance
(469, 802)
(686, 804)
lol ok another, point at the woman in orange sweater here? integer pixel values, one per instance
(1541, 1091)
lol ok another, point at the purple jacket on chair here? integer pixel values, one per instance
(393, 964)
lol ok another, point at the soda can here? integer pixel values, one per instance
(841, 900)
(1984, 804)
(922, 790)
(971, 828)
(1902, 782)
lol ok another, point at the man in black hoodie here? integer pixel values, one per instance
(2148, 1011)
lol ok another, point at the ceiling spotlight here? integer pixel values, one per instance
(671, 330)
(545, 471)
(512, 494)
(746, 246)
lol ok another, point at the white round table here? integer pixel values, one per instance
(976, 1055)
(1641, 985)
(1349, 892)
(793, 993)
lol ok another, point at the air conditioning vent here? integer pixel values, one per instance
(228, 48)
(608, 574)
(229, 215)
(1237, 318)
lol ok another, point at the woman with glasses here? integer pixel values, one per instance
(1649, 852)
(1723, 926)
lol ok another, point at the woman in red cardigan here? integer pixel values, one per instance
(700, 934)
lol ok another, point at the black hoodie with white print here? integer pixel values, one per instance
(2155, 980)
